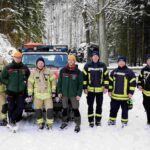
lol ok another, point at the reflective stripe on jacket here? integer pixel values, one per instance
(95, 77)
(144, 80)
(41, 83)
(122, 81)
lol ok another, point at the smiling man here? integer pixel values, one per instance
(42, 85)
(122, 83)
(70, 87)
(95, 76)
(15, 76)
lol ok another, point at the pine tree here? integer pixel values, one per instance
(26, 20)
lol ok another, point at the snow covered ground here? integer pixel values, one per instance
(136, 136)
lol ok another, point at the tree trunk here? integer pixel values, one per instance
(87, 30)
(143, 50)
(102, 33)
(128, 41)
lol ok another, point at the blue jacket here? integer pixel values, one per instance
(144, 80)
(95, 77)
(122, 81)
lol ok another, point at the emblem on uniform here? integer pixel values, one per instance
(73, 77)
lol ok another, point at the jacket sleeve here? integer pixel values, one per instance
(110, 88)
(53, 82)
(132, 82)
(80, 85)
(85, 76)
(106, 78)
(31, 82)
(5, 76)
(59, 84)
(141, 79)
(27, 72)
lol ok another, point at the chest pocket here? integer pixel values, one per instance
(73, 76)
(46, 76)
(120, 83)
(37, 78)
(95, 76)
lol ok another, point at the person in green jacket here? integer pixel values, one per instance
(15, 76)
(70, 87)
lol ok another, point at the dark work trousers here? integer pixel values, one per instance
(15, 107)
(146, 104)
(114, 108)
(75, 107)
(90, 101)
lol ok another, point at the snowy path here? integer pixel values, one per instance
(136, 136)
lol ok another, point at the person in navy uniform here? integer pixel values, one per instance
(144, 86)
(122, 83)
(95, 83)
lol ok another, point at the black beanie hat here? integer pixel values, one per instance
(147, 56)
(40, 59)
(95, 53)
(122, 58)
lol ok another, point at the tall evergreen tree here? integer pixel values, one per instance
(26, 20)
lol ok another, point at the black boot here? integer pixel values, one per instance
(91, 124)
(3, 122)
(63, 125)
(111, 122)
(77, 129)
(41, 126)
(98, 123)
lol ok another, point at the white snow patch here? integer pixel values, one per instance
(135, 136)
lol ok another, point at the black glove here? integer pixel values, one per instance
(130, 104)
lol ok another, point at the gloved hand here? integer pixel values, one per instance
(60, 95)
(130, 104)
(53, 94)
(29, 99)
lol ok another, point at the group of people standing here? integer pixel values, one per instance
(17, 82)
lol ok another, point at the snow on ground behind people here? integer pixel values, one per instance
(136, 136)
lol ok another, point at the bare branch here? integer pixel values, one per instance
(118, 9)
(106, 5)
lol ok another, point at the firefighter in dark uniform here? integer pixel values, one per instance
(122, 83)
(95, 83)
(144, 86)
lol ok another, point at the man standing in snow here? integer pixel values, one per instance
(42, 85)
(144, 86)
(3, 105)
(70, 87)
(122, 83)
(95, 83)
(15, 76)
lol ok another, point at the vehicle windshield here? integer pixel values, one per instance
(52, 60)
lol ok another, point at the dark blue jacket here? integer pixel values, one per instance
(122, 81)
(144, 80)
(95, 77)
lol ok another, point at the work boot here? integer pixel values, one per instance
(77, 129)
(91, 124)
(111, 122)
(63, 125)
